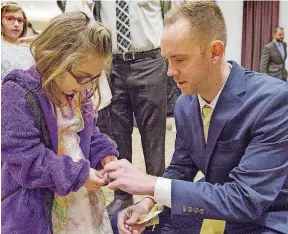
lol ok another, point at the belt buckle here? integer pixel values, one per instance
(126, 59)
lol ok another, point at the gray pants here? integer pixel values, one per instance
(138, 87)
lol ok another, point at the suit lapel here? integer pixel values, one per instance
(285, 50)
(276, 48)
(228, 103)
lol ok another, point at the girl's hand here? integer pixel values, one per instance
(108, 159)
(94, 181)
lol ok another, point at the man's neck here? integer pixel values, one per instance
(278, 42)
(214, 87)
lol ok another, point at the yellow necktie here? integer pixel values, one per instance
(207, 113)
(210, 226)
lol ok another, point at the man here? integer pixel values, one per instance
(231, 125)
(274, 55)
(138, 83)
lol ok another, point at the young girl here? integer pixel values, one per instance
(54, 187)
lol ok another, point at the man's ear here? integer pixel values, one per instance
(217, 50)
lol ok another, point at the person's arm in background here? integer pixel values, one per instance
(265, 57)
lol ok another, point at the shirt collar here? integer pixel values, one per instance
(277, 43)
(212, 105)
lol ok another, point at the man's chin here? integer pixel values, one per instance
(187, 92)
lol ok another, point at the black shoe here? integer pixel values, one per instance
(117, 205)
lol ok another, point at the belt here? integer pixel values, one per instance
(136, 55)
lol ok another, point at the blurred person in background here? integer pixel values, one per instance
(14, 54)
(274, 55)
(30, 30)
(138, 82)
(13, 22)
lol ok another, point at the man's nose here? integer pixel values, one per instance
(171, 71)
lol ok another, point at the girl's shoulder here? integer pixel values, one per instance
(22, 79)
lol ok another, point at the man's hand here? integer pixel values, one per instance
(127, 219)
(94, 180)
(108, 159)
(126, 177)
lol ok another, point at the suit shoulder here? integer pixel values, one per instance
(183, 102)
(259, 83)
(269, 45)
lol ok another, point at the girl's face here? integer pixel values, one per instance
(81, 76)
(12, 25)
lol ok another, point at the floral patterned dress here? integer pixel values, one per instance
(81, 212)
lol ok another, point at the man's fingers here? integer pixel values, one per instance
(112, 166)
(122, 217)
(113, 185)
(114, 175)
(133, 219)
(116, 165)
(139, 228)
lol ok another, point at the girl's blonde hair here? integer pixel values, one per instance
(13, 7)
(68, 39)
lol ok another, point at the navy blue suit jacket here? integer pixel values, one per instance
(245, 161)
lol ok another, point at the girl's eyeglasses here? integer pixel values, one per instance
(83, 80)
(11, 19)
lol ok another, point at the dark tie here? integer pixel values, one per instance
(123, 26)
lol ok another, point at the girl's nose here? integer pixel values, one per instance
(16, 23)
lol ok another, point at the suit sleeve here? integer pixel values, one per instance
(182, 166)
(265, 57)
(25, 157)
(255, 183)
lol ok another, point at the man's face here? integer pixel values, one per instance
(279, 35)
(188, 65)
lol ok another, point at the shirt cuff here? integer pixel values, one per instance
(162, 192)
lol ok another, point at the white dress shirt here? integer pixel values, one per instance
(146, 24)
(280, 47)
(162, 192)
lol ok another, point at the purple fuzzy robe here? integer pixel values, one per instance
(27, 164)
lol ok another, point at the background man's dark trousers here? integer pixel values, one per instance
(139, 87)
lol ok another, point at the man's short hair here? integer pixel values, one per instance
(205, 18)
(276, 30)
